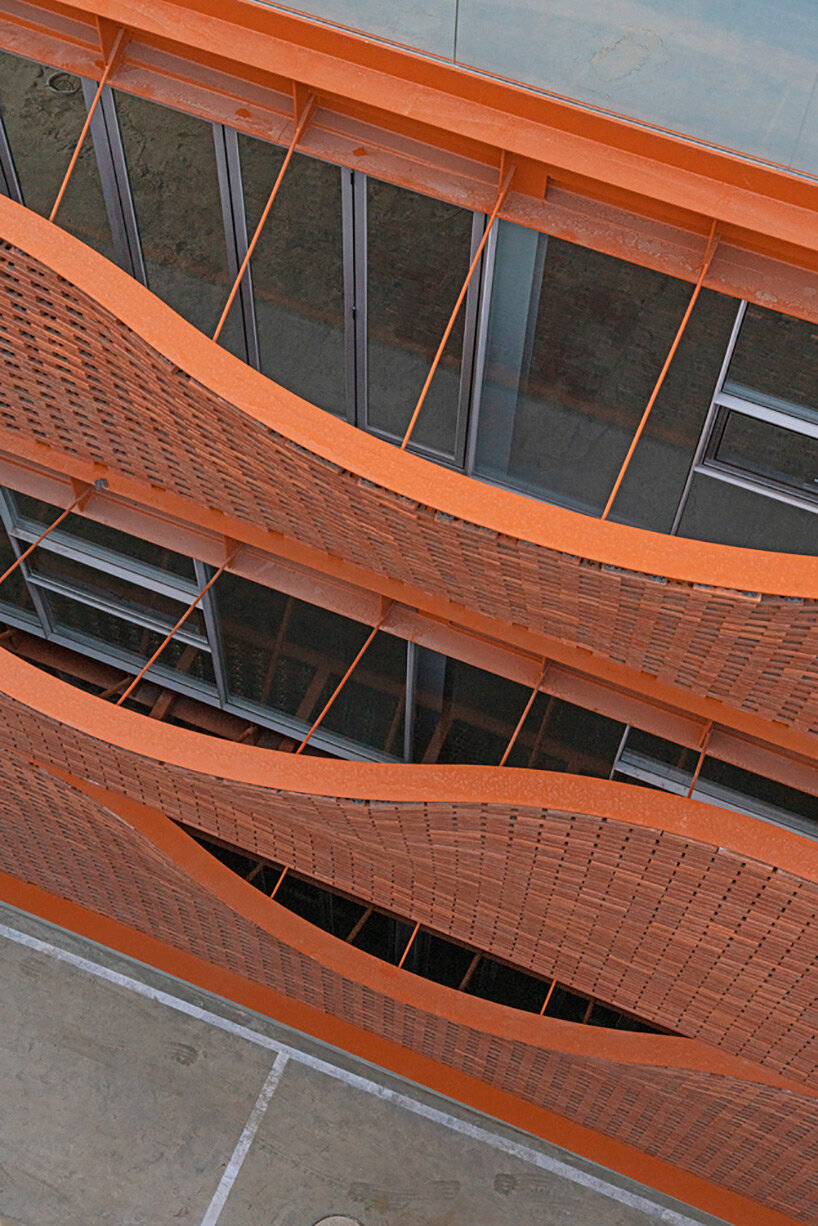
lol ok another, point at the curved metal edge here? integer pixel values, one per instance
(514, 515)
(405, 783)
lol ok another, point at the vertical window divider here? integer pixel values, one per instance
(358, 314)
(9, 183)
(231, 192)
(213, 631)
(37, 598)
(470, 332)
(480, 342)
(712, 412)
(113, 174)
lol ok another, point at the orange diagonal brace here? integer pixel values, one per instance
(712, 243)
(344, 679)
(178, 626)
(306, 116)
(504, 190)
(99, 484)
(116, 51)
(524, 715)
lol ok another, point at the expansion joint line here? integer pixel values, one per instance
(345, 677)
(300, 125)
(99, 484)
(501, 197)
(524, 715)
(231, 555)
(710, 251)
(111, 63)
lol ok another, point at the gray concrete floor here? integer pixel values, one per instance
(130, 1099)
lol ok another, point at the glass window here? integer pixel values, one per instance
(286, 655)
(775, 357)
(174, 182)
(43, 112)
(89, 531)
(752, 446)
(298, 272)
(418, 254)
(14, 590)
(84, 624)
(576, 341)
(725, 513)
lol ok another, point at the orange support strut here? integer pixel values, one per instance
(100, 483)
(504, 190)
(524, 715)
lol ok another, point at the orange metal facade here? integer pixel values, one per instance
(694, 918)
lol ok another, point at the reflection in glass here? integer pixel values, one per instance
(776, 356)
(103, 630)
(575, 344)
(417, 259)
(785, 457)
(298, 272)
(729, 515)
(174, 182)
(43, 112)
(286, 655)
(131, 548)
(13, 591)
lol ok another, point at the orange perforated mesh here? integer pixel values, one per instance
(691, 936)
(77, 379)
(756, 1139)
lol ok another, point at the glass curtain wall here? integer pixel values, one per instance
(550, 364)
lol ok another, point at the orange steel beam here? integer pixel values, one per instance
(207, 57)
(505, 187)
(126, 693)
(342, 682)
(271, 1002)
(519, 727)
(712, 243)
(101, 483)
(409, 944)
(700, 762)
(548, 997)
(300, 125)
(113, 58)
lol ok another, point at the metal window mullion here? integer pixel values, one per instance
(234, 216)
(113, 174)
(712, 412)
(348, 233)
(480, 345)
(37, 598)
(468, 355)
(115, 609)
(213, 631)
(409, 699)
(56, 543)
(9, 183)
(360, 305)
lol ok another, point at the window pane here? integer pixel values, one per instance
(298, 272)
(717, 511)
(758, 447)
(776, 356)
(288, 656)
(89, 625)
(14, 590)
(417, 259)
(172, 170)
(43, 113)
(89, 530)
(575, 344)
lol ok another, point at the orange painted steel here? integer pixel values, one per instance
(327, 706)
(113, 58)
(699, 620)
(710, 251)
(505, 187)
(193, 605)
(83, 497)
(251, 246)
(519, 725)
(601, 886)
(377, 100)
(170, 890)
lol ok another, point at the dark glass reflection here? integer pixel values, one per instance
(298, 272)
(785, 457)
(174, 182)
(131, 548)
(418, 257)
(43, 112)
(287, 655)
(14, 590)
(776, 356)
(84, 623)
(718, 511)
(575, 344)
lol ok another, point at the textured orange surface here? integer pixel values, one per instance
(682, 925)
(743, 1133)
